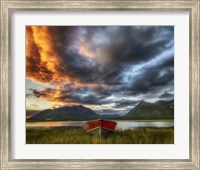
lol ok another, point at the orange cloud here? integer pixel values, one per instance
(35, 105)
(42, 61)
(45, 65)
(51, 95)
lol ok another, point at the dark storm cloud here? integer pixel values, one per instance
(78, 67)
(113, 77)
(47, 92)
(86, 95)
(82, 98)
(76, 95)
(153, 78)
(96, 63)
(118, 46)
(125, 103)
(137, 44)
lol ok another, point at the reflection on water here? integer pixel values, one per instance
(120, 124)
(132, 125)
(55, 124)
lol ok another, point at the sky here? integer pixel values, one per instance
(109, 69)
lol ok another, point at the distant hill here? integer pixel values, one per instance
(143, 111)
(30, 113)
(158, 110)
(65, 113)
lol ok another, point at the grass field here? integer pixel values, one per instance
(80, 136)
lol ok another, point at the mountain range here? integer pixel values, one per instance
(143, 111)
(66, 113)
(158, 110)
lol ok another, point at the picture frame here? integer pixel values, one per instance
(8, 7)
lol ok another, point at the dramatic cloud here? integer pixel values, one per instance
(70, 94)
(124, 103)
(42, 62)
(99, 65)
(151, 78)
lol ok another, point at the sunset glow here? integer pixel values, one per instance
(106, 68)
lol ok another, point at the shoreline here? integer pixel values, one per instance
(146, 120)
(81, 127)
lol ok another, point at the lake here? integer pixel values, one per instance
(121, 125)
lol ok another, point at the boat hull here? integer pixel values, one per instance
(100, 126)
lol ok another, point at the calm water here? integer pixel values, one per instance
(120, 125)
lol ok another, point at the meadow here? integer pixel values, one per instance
(80, 136)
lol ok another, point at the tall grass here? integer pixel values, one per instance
(80, 136)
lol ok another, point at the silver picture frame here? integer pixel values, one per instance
(192, 6)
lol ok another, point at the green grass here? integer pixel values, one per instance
(79, 136)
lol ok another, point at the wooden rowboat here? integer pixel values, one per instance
(100, 126)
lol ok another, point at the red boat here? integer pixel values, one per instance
(100, 126)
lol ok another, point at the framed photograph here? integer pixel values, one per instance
(100, 84)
